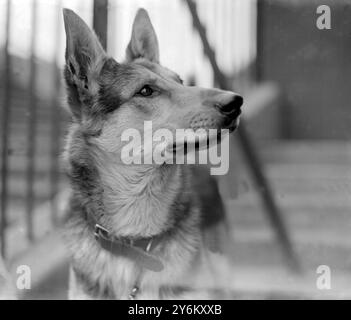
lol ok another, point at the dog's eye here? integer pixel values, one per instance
(146, 91)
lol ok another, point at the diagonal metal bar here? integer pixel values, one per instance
(255, 165)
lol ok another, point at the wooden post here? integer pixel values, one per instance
(100, 22)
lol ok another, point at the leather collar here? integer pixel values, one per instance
(137, 249)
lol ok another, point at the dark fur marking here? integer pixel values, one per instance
(114, 78)
(108, 99)
(72, 69)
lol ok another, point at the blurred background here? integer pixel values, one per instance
(288, 191)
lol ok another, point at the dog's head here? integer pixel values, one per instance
(108, 97)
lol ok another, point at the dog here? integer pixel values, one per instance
(138, 231)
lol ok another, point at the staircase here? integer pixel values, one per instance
(312, 184)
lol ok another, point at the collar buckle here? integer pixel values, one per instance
(100, 230)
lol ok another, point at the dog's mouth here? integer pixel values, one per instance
(207, 138)
(201, 142)
(232, 122)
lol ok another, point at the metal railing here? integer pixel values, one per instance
(30, 133)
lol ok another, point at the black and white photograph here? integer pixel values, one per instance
(194, 150)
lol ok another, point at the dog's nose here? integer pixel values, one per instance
(232, 106)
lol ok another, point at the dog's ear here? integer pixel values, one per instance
(143, 43)
(84, 60)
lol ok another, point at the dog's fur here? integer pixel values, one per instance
(137, 200)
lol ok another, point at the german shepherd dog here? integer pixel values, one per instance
(138, 231)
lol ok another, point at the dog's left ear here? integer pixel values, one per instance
(83, 49)
(84, 60)
(143, 43)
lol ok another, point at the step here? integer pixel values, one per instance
(259, 247)
(275, 282)
(294, 218)
(304, 152)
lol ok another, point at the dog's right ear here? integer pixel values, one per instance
(143, 43)
(84, 60)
